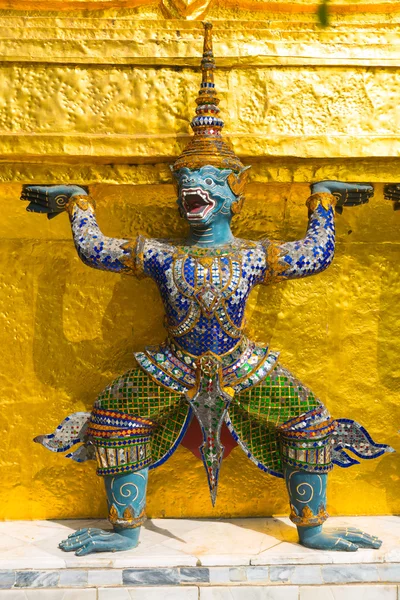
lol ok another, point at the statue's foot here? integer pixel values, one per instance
(88, 540)
(349, 539)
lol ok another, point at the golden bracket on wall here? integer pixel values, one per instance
(185, 9)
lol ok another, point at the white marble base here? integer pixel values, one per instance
(238, 559)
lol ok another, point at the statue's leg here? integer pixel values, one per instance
(126, 497)
(307, 494)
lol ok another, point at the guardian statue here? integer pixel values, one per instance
(207, 368)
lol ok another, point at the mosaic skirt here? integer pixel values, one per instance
(254, 415)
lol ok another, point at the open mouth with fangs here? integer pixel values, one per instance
(197, 203)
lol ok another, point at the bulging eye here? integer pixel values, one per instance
(208, 181)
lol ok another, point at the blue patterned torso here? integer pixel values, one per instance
(205, 291)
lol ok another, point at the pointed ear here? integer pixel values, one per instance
(237, 182)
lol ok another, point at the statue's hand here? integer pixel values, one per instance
(343, 538)
(346, 194)
(88, 540)
(391, 192)
(49, 199)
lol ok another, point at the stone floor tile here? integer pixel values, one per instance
(104, 577)
(224, 560)
(219, 540)
(149, 593)
(349, 573)
(7, 543)
(307, 574)
(281, 574)
(237, 574)
(7, 579)
(363, 555)
(73, 578)
(348, 592)
(292, 554)
(258, 574)
(33, 531)
(103, 560)
(219, 575)
(250, 593)
(28, 556)
(393, 555)
(194, 575)
(159, 555)
(159, 577)
(389, 572)
(36, 579)
(54, 594)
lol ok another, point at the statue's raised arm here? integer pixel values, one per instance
(314, 253)
(94, 248)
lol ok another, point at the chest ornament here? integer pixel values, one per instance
(207, 282)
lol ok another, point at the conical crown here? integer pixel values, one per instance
(207, 147)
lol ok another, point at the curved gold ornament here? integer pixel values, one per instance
(326, 200)
(128, 520)
(186, 9)
(237, 182)
(80, 200)
(306, 518)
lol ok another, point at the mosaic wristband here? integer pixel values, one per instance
(324, 199)
(82, 201)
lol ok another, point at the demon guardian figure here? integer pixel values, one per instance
(207, 368)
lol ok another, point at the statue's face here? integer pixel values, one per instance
(204, 193)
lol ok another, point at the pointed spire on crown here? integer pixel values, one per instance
(207, 147)
(206, 121)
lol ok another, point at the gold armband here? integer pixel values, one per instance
(326, 200)
(128, 520)
(80, 200)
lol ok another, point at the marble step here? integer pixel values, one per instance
(238, 559)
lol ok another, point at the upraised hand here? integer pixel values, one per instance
(49, 199)
(346, 194)
(391, 192)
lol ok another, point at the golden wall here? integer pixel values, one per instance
(102, 93)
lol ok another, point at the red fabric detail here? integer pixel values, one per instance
(193, 439)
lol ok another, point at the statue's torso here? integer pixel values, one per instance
(204, 291)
